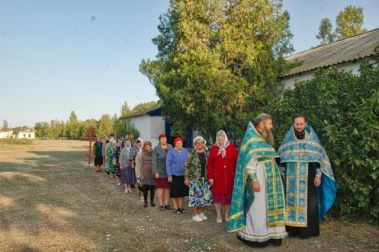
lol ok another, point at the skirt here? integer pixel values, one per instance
(128, 176)
(199, 194)
(178, 188)
(225, 199)
(99, 160)
(162, 183)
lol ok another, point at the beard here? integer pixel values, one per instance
(268, 136)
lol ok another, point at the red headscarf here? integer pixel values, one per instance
(162, 135)
(177, 139)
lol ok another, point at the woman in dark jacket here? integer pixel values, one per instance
(147, 175)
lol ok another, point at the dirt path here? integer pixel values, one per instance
(50, 200)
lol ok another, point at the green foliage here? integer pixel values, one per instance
(22, 141)
(5, 125)
(144, 106)
(326, 34)
(72, 126)
(124, 127)
(125, 109)
(344, 110)
(105, 126)
(218, 61)
(42, 129)
(349, 22)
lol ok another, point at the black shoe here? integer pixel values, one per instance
(152, 204)
(276, 242)
(162, 208)
(254, 244)
(181, 210)
(168, 207)
(145, 204)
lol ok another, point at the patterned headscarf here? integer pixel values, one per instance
(222, 148)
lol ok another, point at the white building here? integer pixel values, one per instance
(150, 123)
(345, 54)
(19, 135)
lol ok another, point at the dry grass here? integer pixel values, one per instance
(50, 200)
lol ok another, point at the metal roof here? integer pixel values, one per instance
(344, 50)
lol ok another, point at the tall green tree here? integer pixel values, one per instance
(5, 125)
(105, 126)
(125, 109)
(42, 129)
(72, 126)
(218, 61)
(349, 22)
(326, 34)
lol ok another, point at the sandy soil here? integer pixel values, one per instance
(51, 200)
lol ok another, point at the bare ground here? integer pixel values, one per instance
(50, 200)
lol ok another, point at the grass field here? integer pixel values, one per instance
(51, 200)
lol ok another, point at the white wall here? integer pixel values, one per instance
(142, 124)
(149, 127)
(157, 127)
(26, 134)
(6, 134)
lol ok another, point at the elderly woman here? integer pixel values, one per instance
(128, 176)
(176, 158)
(147, 175)
(222, 163)
(195, 175)
(137, 160)
(159, 169)
(110, 158)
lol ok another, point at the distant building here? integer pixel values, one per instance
(345, 54)
(151, 123)
(28, 134)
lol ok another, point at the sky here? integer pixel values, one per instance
(83, 55)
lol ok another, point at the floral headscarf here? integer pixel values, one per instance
(222, 148)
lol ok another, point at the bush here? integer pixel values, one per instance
(16, 141)
(344, 111)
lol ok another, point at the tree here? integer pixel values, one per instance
(349, 22)
(42, 129)
(5, 125)
(86, 125)
(144, 106)
(72, 126)
(326, 34)
(218, 61)
(125, 109)
(105, 126)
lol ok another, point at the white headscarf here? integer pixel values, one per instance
(222, 148)
(199, 138)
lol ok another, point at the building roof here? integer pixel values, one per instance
(151, 111)
(344, 50)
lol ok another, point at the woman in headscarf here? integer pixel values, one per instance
(195, 170)
(147, 175)
(128, 176)
(221, 170)
(159, 169)
(176, 158)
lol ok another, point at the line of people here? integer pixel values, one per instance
(174, 173)
(265, 193)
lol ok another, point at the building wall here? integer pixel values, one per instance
(26, 134)
(142, 124)
(22, 134)
(157, 127)
(6, 134)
